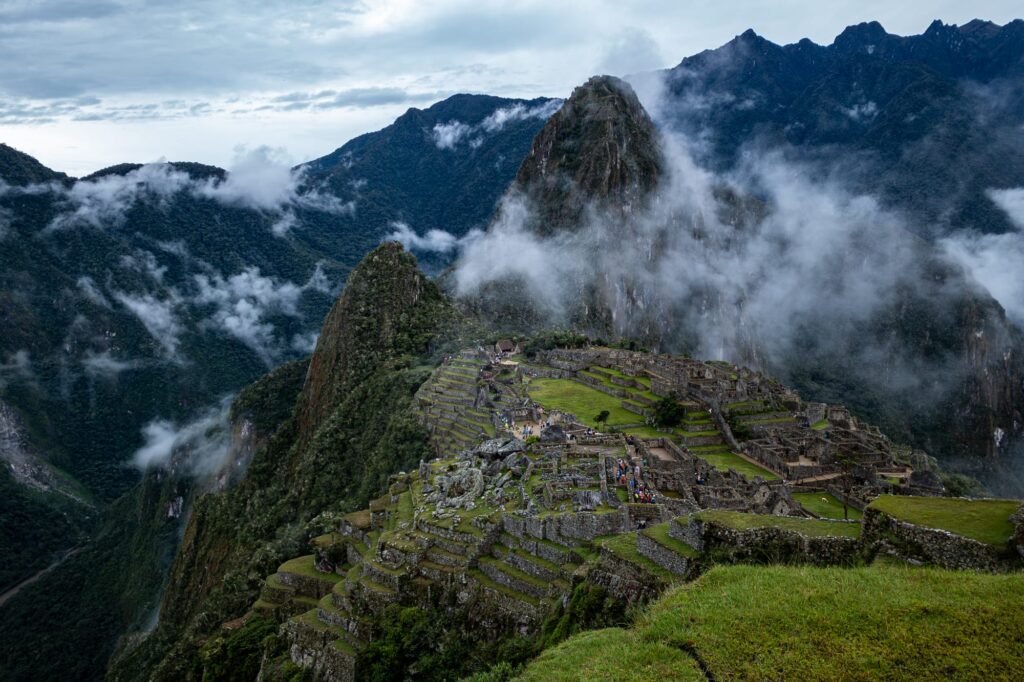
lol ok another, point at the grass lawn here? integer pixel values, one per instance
(723, 461)
(659, 533)
(803, 623)
(304, 565)
(984, 520)
(583, 401)
(624, 546)
(830, 508)
(611, 655)
(808, 527)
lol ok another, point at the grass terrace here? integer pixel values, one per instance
(583, 401)
(987, 521)
(825, 505)
(723, 461)
(612, 655)
(808, 527)
(802, 623)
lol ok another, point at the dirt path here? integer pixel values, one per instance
(11, 593)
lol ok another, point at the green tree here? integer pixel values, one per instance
(668, 412)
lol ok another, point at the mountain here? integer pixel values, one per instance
(630, 238)
(928, 123)
(138, 297)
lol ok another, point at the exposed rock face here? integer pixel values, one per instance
(600, 145)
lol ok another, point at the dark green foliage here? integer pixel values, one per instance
(269, 401)
(668, 412)
(602, 416)
(412, 643)
(546, 340)
(35, 528)
(65, 625)
(237, 657)
(590, 608)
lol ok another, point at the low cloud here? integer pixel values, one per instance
(157, 316)
(199, 447)
(92, 292)
(105, 365)
(996, 261)
(451, 134)
(435, 241)
(259, 179)
(16, 367)
(243, 303)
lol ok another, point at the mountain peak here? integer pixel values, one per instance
(388, 308)
(601, 145)
(19, 169)
(860, 36)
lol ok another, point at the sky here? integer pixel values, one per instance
(90, 83)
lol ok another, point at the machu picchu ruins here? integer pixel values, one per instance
(529, 496)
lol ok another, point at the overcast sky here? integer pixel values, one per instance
(89, 83)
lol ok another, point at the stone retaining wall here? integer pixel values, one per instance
(939, 547)
(768, 545)
(663, 556)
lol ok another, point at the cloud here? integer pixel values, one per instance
(16, 366)
(634, 50)
(449, 135)
(200, 447)
(92, 292)
(996, 261)
(103, 202)
(771, 262)
(243, 303)
(436, 241)
(106, 365)
(157, 316)
(260, 178)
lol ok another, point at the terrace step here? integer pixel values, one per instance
(512, 577)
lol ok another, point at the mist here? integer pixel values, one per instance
(197, 448)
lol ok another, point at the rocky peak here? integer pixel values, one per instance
(601, 145)
(389, 308)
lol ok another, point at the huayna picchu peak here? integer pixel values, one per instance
(706, 372)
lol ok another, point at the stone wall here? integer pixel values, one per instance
(935, 546)
(665, 557)
(767, 545)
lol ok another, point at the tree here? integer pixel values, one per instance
(846, 464)
(602, 417)
(668, 412)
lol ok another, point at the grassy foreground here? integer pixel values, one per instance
(801, 623)
(983, 520)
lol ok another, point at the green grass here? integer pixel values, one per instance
(808, 527)
(723, 461)
(611, 655)
(830, 508)
(304, 565)
(659, 533)
(647, 431)
(802, 623)
(987, 521)
(820, 425)
(624, 547)
(583, 401)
